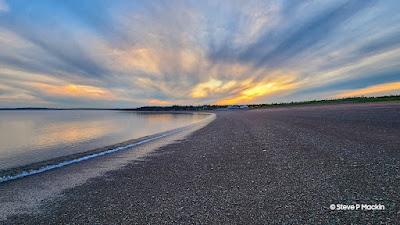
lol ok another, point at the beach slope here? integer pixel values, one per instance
(268, 166)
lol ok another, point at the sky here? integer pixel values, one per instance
(127, 53)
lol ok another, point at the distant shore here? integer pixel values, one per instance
(281, 165)
(388, 98)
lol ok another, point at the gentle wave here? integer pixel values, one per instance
(84, 158)
(94, 155)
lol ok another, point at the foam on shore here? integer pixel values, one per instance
(42, 169)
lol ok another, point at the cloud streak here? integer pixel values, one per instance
(132, 53)
(380, 89)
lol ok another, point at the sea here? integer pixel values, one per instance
(32, 136)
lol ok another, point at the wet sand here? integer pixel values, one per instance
(270, 166)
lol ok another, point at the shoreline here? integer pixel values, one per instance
(252, 167)
(11, 174)
(190, 108)
(25, 195)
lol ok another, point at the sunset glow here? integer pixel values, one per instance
(134, 53)
(380, 89)
(71, 90)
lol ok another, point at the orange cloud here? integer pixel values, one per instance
(212, 86)
(380, 89)
(134, 58)
(189, 59)
(144, 59)
(159, 102)
(253, 90)
(72, 90)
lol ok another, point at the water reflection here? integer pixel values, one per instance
(32, 136)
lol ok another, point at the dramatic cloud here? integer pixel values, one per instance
(131, 53)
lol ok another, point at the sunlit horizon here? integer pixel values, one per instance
(126, 54)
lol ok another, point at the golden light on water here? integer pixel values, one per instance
(71, 132)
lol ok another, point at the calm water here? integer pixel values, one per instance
(33, 136)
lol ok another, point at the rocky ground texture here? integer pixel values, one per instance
(272, 166)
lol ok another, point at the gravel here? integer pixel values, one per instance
(272, 166)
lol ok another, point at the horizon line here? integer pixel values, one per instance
(213, 105)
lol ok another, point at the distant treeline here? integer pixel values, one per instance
(180, 108)
(44, 108)
(255, 106)
(330, 101)
(222, 107)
